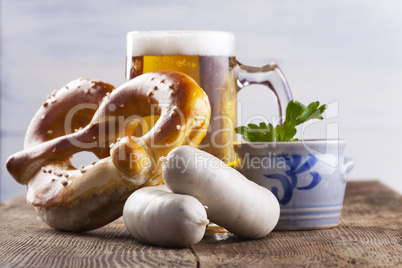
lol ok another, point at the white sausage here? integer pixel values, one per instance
(233, 202)
(155, 215)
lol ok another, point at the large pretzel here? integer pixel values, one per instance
(73, 199)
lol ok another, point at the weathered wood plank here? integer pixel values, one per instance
(370, 234)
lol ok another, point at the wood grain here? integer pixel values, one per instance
(369, 234)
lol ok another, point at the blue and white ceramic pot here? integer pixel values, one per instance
(307, 177)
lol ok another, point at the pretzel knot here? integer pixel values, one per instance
(88, 115)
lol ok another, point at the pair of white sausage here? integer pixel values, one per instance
(197, 179)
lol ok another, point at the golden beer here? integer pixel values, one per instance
(215, 75)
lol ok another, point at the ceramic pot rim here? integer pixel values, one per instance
(284, 143)
(302, 146)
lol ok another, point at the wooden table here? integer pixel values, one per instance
(369, 234)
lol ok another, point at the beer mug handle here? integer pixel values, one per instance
(269, 75)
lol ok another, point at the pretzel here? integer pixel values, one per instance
(72, 199)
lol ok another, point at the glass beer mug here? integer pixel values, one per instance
(209, 58)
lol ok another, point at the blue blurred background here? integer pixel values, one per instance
(344, 53)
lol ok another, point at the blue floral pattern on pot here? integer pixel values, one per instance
(289, 181)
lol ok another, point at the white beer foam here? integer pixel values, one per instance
(159, 43)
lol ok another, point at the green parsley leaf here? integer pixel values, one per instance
(296, 114)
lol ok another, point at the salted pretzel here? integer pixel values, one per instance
(72, 199)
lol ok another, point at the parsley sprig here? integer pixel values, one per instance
(296, 114)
